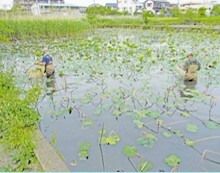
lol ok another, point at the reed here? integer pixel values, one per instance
(24, 29)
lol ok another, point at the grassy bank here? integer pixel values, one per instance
(18, 121)
(41, 28)
(24, 29)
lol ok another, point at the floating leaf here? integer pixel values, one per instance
(189, 143)
(97, 111)
(116, 112)
(178, 133)
(166, 134)
(138, 123)
(129, 151)
(185, 114)
(86, 99)
(73, 163)
(103, 140)
(211, 124)
(83, 153)
(172, 160)
(191, 128)
(103, 132)
(87, 122)
(154, 115)
(112, 139)
(84, 146)
(144, 166)
(146, 142)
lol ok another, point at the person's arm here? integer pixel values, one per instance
(40, 63)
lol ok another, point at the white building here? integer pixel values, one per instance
(6, 4)
(131, 6)
(195, 5)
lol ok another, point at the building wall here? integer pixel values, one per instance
(129, 5)
(6, 4)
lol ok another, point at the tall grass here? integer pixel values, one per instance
(57, 27)
(40, 28)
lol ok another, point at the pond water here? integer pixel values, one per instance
(120, 86)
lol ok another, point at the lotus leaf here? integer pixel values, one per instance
(191, 128)
(185, 114)
(166, 134)
(146, 142)
(144, 166)
(212, 124)
(129, 151)
(84, 146)
(189, 143)
(83, 154)
(102, 132)
(97, 111)
(178, 133)
(172, 160)
(87, 122)
(138, 123)
(87, 98)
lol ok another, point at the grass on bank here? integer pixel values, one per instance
(18, 122)
(39, 28)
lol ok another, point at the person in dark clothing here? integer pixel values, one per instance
(47, 62)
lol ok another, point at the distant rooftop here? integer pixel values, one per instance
(111, 4)
(58, 5)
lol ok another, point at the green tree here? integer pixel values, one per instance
(215, 11)
(189, 15)
(175, 12)
(162, 12)
(201, 12)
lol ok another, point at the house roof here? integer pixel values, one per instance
(95, 5)
(57, 5)
(111, 4)
(162, 1)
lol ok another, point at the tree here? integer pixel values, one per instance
(215, 11)
(202, 12)
(175, 12)
(190, 14)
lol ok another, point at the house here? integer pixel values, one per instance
(155, 6)
(196, 5)
(131, 6)
(26, 4)
(112, 6)
(45, 8)
(6, 4)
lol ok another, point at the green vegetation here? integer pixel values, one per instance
(18, 121)
(215, 10)
(24, 29)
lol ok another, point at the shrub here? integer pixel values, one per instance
(215, 11)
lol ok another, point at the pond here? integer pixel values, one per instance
(116, 102)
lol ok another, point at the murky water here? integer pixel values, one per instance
(125, 82)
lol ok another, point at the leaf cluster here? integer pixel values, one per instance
(18, 121)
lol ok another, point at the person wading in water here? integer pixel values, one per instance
(189, 70)
(47, 62)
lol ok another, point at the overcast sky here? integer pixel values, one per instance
(103, 2)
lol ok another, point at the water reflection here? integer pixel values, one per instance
(189, 85)
(51, 87)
